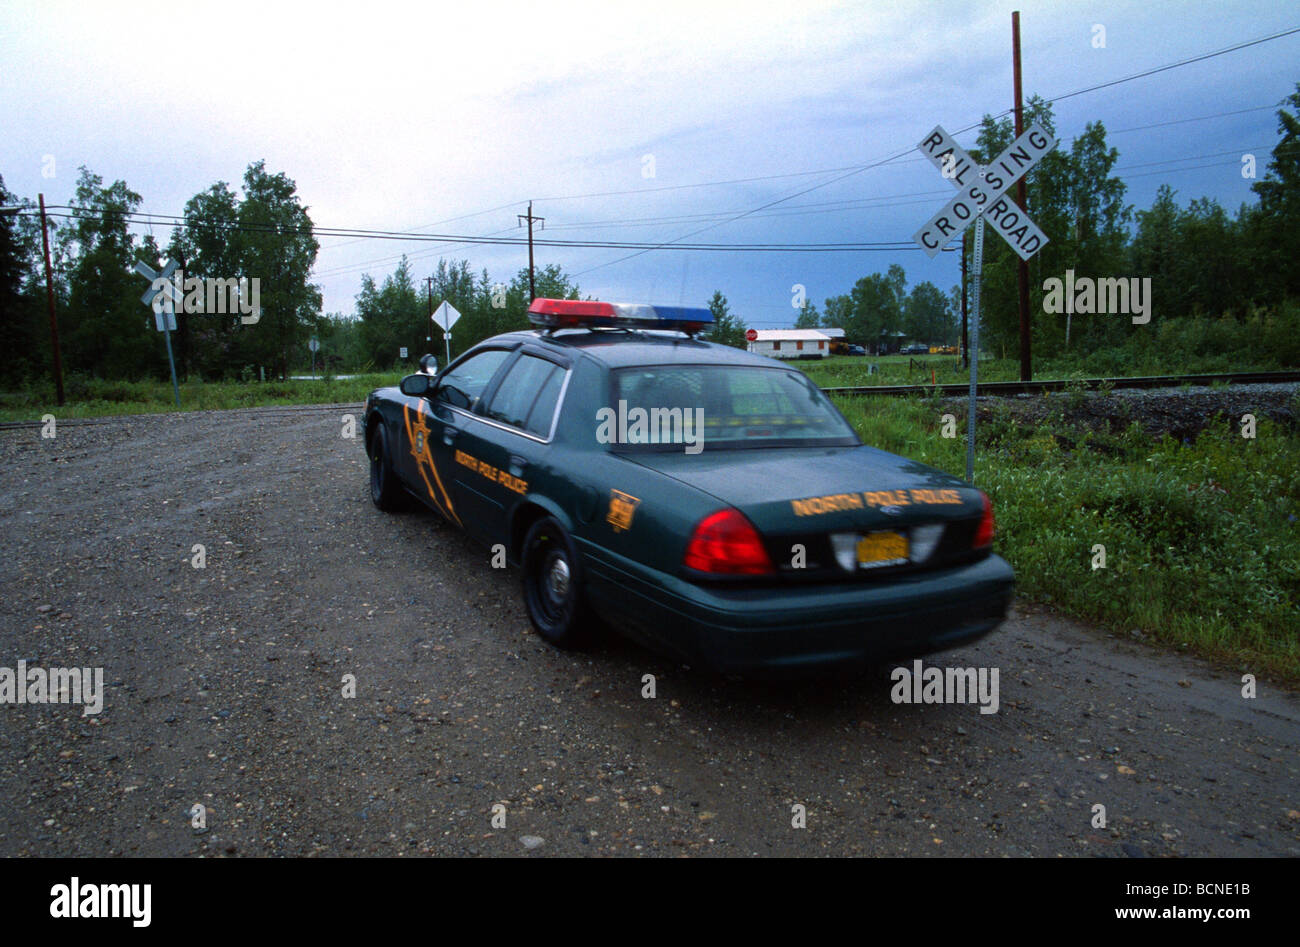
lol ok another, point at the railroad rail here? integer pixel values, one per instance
(1006, 388)
(988, 388)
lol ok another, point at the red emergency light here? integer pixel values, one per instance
(594, 314)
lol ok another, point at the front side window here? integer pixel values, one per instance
(463, 386)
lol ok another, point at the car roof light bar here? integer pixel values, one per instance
(555, 314)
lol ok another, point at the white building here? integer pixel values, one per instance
(789, 343)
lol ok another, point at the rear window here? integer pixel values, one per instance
(663, 407)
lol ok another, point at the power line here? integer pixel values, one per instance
(523, 241)
(1175, 65)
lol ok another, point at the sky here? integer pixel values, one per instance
(713, 121)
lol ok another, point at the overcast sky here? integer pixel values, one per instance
(448, 118)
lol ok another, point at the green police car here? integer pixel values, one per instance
(710, 503)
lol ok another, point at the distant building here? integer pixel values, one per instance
(792, 343)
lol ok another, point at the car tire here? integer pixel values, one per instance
(385, 490)
(553, 586)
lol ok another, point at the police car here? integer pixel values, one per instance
(710, 503)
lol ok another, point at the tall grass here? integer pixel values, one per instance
(1202, 540)
(90, 397)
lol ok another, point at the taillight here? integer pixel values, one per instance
(984, 534)
(725, 543)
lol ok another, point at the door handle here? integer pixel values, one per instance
(449, 434)
(517, 465)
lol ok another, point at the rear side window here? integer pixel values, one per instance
(527, 396)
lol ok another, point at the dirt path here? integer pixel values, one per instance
(224, 687)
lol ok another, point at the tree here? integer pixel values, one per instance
(209, 245)
(392, 317)
(277, 246)
(1279, 204)
(107, 332)
(875, 313)
(727, 327)
(20, 328)
(926, 315)
(1073, 198)
(808, 317)
(836, 313)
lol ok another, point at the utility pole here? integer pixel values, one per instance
(49, 296)
(965, 337)
(532, 285)
(1022, 270)
(429, 280)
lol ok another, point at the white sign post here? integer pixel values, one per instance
(982, 194)
(164, 309)
(446, 315)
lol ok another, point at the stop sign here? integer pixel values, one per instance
(751, 335)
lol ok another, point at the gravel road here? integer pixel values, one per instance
(225, 688)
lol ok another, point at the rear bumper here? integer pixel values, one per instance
(800, 629)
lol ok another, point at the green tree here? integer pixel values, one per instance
(875, 312)
(808, 317)
(836, 313)
(21, 289)
(1279, 205)
(728, 328)
(392, 317)
(107, 332)
(1077, 202)
(277, 246)
(926, 316)
(209, 245)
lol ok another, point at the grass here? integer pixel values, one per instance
(90, 398)
(1200, 539)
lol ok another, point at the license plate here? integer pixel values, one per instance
(882, 549)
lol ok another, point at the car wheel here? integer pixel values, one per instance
(385, 491)
(552, 585)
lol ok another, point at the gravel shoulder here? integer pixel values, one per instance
(225, 688)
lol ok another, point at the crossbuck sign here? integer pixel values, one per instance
(982, 195)
(982, 191)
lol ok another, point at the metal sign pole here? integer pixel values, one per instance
(447, 337)
(974, 352)
(168, 316)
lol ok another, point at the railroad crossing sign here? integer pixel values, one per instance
(982, 191)
(982, 195)
(164, 310)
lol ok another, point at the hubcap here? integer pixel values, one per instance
(557, 580)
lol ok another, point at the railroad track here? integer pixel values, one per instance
(1005, 388)
(988, 388)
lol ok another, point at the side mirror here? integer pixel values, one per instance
(429, 364)
(416, 386)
